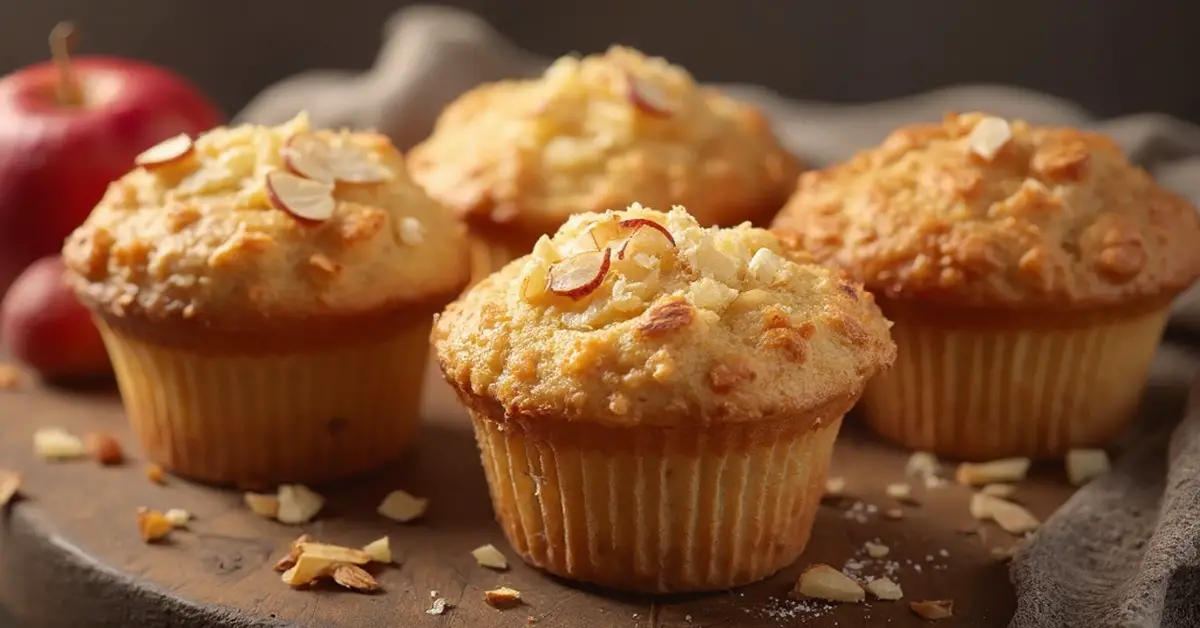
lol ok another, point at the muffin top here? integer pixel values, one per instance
(979, 211)
(223, 230)
(598, 133)
(639, 317)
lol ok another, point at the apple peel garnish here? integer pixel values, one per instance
(167, 152)
(650, 98)
(640, 225)
(307, 200)
(580, 275)
(313, 157)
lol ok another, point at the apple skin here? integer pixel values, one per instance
(56, 161)
(45, 327)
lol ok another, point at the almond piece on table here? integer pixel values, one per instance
(10, 483)
(885, 589)
(1013, 518)
(895, 514)
(438, 608)
(823, 582)
(380, 550)
(298, 504)
(354, 578)
(266, 506)
(490, 557)
(933, 610)
(1003, 491)
(502, 598)
(105, 449)
(307, 570)
(289, 561)
(403, 507)
(153, 525)
(900, 492)
(155, 474)
(178, 517)
(835, 487)
(996, 471)
(876, 550)
(1084, 465)
(334, 553)
(54, 443)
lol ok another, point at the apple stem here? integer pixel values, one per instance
(62, 38)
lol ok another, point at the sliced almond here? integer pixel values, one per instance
(650, 98)
(315, 157)
(996, 471)
(178, 517)
(921, 464)
(1084, 465)
(355, 578)
(298, 504)
(334, 553)
(876, 550)
(380, 550)
(289, 561)
(502, 598)
(308, 569)
(1004, 554)
(54, 443)
(885, 589)
(895, 514)
(490, 557)
(155, 474)
(933, 610)
(439, 607)
(647, 236)
(412, 232)
(403, 507)
(1013, 518)
(153, 525)
(307, 200)
(170, 151)
(1003, 491)
(989, 136)
(826, 583)
(580, 275)
(533, 283)
(835, 487)
(900, 492)
(104, 449)
(262, 505)
(10, 483)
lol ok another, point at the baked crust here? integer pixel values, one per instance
(201, 243)
(719, 328)
(1056, 219)
(517, 158)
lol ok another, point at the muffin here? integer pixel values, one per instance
(266, 296)
(1029, 271)
(515, 159)
(656, 402)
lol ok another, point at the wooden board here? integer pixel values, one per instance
(70, 554)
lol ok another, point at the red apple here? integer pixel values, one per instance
(47, 329)
(69, 127)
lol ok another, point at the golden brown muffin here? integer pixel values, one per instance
(517, 158)
(656, 402)
(1029, 271)
(267, 326)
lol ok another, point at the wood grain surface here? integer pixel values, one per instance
(70, 554)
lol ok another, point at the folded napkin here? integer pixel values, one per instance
(1125, 550)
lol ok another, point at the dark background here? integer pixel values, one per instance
(1112, 56)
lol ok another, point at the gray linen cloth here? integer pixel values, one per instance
(1125, 550)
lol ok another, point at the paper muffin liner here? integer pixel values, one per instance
(978, 393)
(656, 510)
(256, 419)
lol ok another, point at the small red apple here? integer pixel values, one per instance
(68, 128)
(45, 327)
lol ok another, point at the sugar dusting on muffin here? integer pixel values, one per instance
(597, 132)
(713, 318)
(979, 210)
